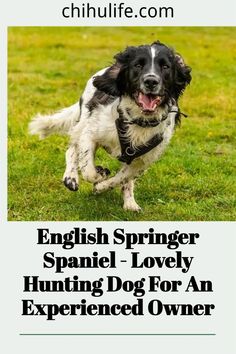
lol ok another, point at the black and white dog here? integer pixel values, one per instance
(130, 109)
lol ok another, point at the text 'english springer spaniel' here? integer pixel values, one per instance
(130, 109)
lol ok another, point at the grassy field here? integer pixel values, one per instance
(195, 179)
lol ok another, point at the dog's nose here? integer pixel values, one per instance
(151, 82)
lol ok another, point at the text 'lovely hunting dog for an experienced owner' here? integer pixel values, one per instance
(130, 109)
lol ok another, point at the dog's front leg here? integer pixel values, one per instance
(128, 196)
(126, 173)
(90, 172)
(71, 177)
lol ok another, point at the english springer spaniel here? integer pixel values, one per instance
(130, 109)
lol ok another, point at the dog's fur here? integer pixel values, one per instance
(145, 82)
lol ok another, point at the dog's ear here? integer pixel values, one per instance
(113, 82)
(182, 75)
(107, 82)
(124, 58)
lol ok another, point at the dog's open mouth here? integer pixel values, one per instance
(148, 102)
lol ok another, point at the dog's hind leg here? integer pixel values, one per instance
(90, 172)
(128, 196)
(71, 177)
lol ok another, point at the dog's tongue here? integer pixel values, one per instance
(148, 102)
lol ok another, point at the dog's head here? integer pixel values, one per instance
(149, 74)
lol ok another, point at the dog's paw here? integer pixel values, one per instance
(95, 175)
(131, 205)
(96, 188)
(100, 187)
(104, 172)
(71, 182)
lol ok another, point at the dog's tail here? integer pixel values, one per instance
(59, 123)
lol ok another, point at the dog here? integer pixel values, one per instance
(130, 109)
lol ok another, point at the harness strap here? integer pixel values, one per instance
(128, 152)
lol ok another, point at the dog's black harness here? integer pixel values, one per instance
(129, 152)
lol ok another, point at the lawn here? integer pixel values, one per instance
(194, 180)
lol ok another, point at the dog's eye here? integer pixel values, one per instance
(138, 66)
(164, 67)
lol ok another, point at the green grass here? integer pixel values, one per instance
(195, 179)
